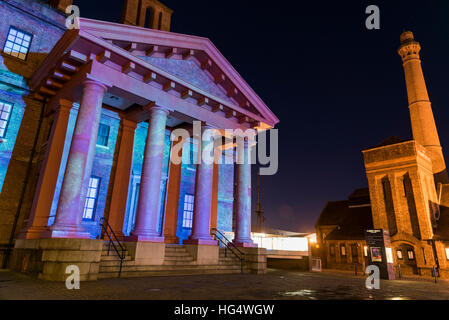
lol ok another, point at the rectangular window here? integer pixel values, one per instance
(342, 250)
(389, 254)
(399, 254)
(91, 199)
(5, 116)
(354, 251)
(103, 135)
(332, 250)
(447, 253)
(17, 43)
(187, 217)
(411, 255)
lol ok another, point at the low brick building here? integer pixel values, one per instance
(407, 194)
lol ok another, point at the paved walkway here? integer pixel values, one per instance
(276, 284)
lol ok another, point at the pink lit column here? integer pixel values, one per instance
(203, 197)
(150, 183)
(79, 164)
(242, 236)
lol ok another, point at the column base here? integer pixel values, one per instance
(245, 244)
(144, 238)
(69, 234)
(171, 240)
(33, 233)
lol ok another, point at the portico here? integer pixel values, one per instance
(132, 71)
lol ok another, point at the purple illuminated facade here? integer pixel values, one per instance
(102, 101)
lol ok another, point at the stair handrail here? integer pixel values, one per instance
(116, 244)
(229, 245)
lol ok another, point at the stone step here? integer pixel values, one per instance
(177, 255)
(115, 258)
(113, 254)
(165, 268)
(191, 272)
(175, 250)
(177, 258)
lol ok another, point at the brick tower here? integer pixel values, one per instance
(60, 4)
(423, 123)
(147, 13)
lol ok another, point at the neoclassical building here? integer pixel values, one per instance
(86, 121)
(407, 193)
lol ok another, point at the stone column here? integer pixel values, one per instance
(79, 164)
(242, 236)
(121, 178)
(173, 188)
(203, 196)
(150, 183)
(48, 177)
(214, 199)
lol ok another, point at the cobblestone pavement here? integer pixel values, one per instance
(276, 284)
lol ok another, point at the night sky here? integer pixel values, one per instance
(336, 87)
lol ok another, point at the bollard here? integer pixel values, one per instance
(435, 274)
(399, 271)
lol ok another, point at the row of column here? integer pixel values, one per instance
(79, 166)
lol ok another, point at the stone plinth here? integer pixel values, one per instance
(146, 253)
(203, 254)
(255, 260)
(49, 258)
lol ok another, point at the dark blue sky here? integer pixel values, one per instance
(336, 86)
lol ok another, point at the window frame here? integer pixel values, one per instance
(9, 117)
(343, 252)
(332, 250)
(408, 254)
(185, 211)
(106, 136)
(354, 253)
(27, 48)
(94, 209)
(401, 255)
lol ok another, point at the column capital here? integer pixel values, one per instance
(95, 84)
(64, 103)
(153, 107)
(129, 124)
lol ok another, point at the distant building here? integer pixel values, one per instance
(408, 192)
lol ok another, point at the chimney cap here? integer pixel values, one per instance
(407, 36)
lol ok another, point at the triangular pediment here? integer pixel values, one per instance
(195, 60)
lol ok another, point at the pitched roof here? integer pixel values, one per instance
(389, 141)
(352, 217)
(164, 45)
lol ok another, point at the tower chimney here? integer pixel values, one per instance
(423, 123)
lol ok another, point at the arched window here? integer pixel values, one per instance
(159, 26)
(149, 17)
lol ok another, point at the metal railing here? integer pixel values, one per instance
(229, 245)
(114, 241)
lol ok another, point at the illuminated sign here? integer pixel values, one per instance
(376, 254)
(389, 254)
